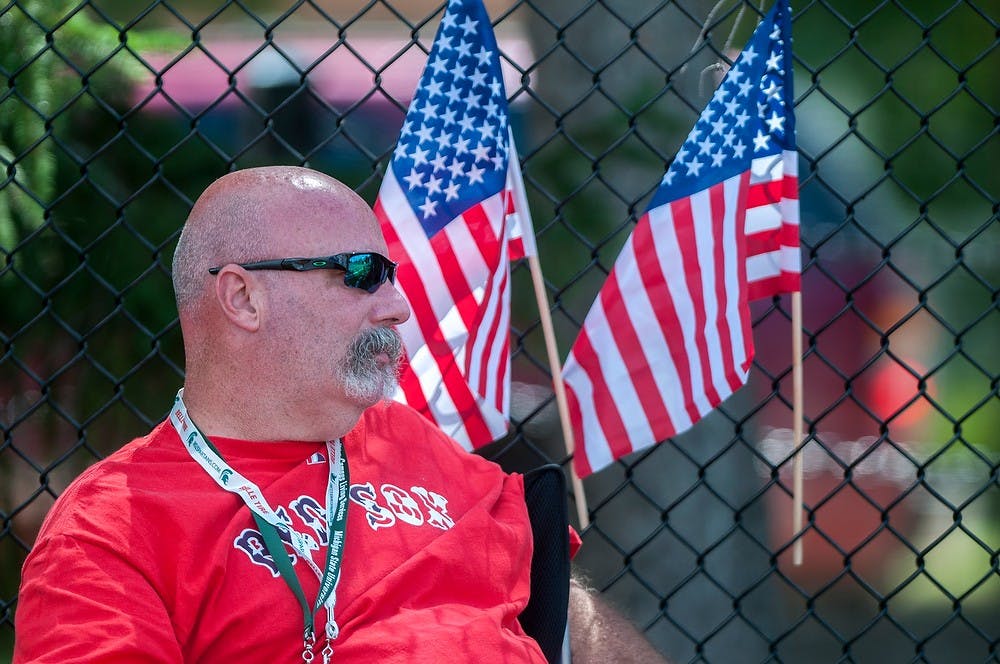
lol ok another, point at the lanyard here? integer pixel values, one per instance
(270, 524)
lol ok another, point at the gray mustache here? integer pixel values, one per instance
(374, 342)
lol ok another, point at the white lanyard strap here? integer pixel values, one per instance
(228, 478)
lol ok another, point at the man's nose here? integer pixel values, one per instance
(390, 307)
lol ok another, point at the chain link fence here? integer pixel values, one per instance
(115, 116)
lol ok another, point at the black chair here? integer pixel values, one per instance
(544, 618)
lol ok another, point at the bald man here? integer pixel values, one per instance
(286, 509)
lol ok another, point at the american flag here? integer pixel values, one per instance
(669, 336)
(454, 214)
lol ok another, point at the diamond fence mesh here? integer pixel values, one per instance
(115, 116)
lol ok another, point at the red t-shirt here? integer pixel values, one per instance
(145, 558)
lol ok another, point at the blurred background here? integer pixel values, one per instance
(116, 114)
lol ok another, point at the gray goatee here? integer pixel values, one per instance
(364, 377)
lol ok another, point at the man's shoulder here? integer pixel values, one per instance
(399, 427)
(154, 447)
(401, 422)
(106, 485)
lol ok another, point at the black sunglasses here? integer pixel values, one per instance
(362, 269)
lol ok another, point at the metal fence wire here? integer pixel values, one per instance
(115, 115)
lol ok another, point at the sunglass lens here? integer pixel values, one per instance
(365, 271)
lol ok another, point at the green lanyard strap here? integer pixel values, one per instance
(271, 526)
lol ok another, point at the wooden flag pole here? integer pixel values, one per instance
(797, 426)
(557, 383)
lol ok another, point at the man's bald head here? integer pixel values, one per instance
(316, 350)
(243, 216)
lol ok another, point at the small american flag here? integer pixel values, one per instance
(453, 212)
(669, 336)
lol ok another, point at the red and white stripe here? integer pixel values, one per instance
(457, 284)
(772, 227)
(669, 336)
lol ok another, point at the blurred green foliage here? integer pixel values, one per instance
(83, 220)
(59, 62)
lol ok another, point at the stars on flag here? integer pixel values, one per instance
(452, 150)
(727, 134)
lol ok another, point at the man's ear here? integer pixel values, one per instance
(238, 296)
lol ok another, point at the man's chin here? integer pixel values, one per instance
(375, 395)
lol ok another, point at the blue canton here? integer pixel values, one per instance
(749, 116)
(452, 150)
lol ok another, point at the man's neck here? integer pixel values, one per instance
(255, 415)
